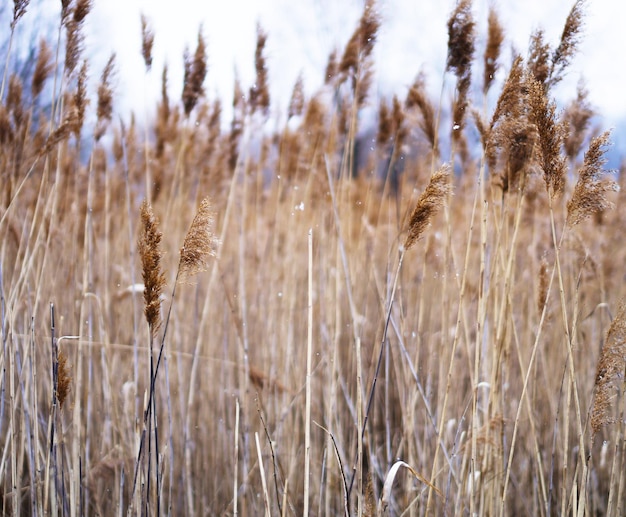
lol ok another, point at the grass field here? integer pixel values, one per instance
(203, 316)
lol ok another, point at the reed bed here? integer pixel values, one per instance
(203, 316)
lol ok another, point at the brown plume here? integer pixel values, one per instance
(147, 42)
(610, 373)
(495, 37)
(431, 200)
(195, 73)
(542, 113)
(589, 195)
(200, 242)
(153, 277)
(259, 92)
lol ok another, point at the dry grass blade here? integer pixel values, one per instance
(385, 497)
(431, 200)
(609, 373)
(589, 195)
(153, 277)
(200, 242)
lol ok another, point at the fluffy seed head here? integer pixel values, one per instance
(589, 195)
(153, 278)
(147, 42)
(461, 39)
(195, 73)
(609, 373)
(542, 113)
(431, 200)
(495, 37)
(64, 381)
(259, 92)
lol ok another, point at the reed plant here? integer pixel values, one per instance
(420, 317)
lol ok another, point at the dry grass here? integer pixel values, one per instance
(413, 333)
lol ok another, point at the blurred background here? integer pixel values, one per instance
(302, 34)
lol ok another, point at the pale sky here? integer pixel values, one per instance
(302, 33)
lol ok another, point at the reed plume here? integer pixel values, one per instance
(609, 373)
(510, 98)
(361, 43)
(153, 277)
(577, 119)
(385, 129)
(200, 243)
(105, 98)
(460, 54)
(195, 73)
(147, 41)
(259, 92)
(418, 97)
(509, 132)
(74, 37)
(356, 62)
(82, 9)
(19, 10)
(495, 37)
(64, 381)
(63, 131)
(43, 68)
(431, 200)
(542, 113)
(539, 57)
(568, 45)
(461, 39)
(162, 128)
(332, 67)
(297, 101)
